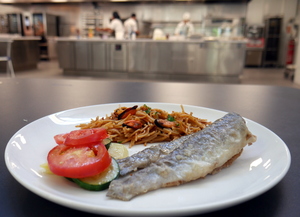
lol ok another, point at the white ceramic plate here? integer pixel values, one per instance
(259, 168)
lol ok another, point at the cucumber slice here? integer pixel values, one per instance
(118, 151)
(107, 142)
(101, 181)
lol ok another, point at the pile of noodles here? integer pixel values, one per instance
(149, 132)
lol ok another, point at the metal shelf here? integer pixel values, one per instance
(90, 21)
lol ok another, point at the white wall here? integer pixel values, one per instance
(255, 12)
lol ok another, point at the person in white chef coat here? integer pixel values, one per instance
(185, 27)
(131, 27)
(115, 26)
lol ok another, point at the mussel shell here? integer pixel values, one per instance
(124, 114)
(162, 123)
(156, 122)
(132, 126)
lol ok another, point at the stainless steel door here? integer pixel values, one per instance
(117, 56)
(82, 55)
(207, 58)
(161, 57)
(99, 59)
(138, 56)
(183, 58)
(65, 53)
(232, 58)
(254, 57)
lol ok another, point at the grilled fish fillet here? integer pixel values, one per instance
(203, 153)
(145, 157)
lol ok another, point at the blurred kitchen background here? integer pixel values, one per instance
(269, 26)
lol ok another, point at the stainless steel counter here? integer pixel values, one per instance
(146, 58)
(24, 53)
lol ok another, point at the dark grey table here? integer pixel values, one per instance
(25, 100)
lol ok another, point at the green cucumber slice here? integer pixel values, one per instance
(107, 142)
(101, 181)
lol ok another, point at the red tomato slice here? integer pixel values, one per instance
(60, 138)
(85, 136)
(78, 162)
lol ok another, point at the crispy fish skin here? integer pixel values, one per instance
(145, 157)
(201, 154)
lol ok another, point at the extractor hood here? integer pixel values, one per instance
(124, 1)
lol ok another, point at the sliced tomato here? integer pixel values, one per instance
(60, 138)
(85, 136)
(78, 161)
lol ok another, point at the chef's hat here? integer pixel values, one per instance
(186, 16)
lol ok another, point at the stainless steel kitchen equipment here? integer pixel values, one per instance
(45, 26)
(255, 45)
(6, 57)
(3, 24)
(14, 23)
(149, 58)
(49, 23)
(24, 53)
(272, 41)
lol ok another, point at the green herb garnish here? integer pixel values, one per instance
(170, 118)
(148, 110)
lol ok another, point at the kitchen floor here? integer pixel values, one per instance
(264, 76)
